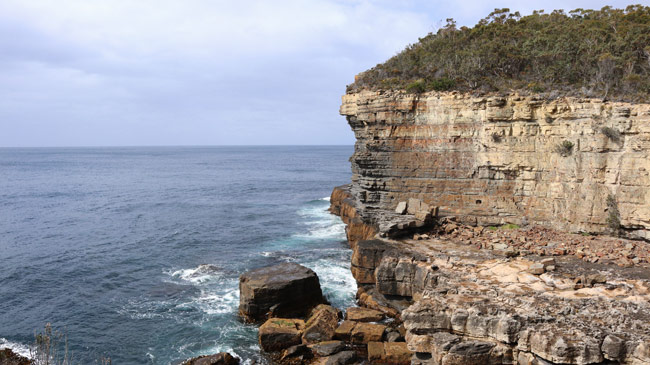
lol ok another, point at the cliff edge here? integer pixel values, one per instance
(575, 164)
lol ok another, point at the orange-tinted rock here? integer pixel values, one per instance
(280, 333)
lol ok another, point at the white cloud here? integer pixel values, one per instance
(114, 72)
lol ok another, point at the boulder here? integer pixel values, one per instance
(327, 348)
(280, 333)
(367, 332)
(286, 290)
(375, 351)
(363, 315)
(8, 357)
(342, 358)
(321, 324)
(394, 336)
(401, 208)
(344, 331)
(297, 351)
(416, 205)
(397, 353)
(222, 358)
(389, 353)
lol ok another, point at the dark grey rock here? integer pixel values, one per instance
(286, 290)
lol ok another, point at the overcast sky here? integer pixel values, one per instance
(203, 72)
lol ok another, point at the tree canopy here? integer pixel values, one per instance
(595, 53)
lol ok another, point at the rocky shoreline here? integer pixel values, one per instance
(475, 295)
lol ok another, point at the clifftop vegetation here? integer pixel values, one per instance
(597, 53)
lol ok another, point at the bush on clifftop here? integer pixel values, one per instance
(598, 53)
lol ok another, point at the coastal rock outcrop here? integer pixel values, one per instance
(9, 357)
(287, 290)
(222, 358)
(280, 333)
(572, 164)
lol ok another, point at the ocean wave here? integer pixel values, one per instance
(334, 231)
(336, 280)
(19, 348)
(200, 274)
(218, 303)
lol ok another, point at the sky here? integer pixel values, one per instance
(204, 72)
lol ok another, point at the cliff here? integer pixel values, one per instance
(579, 165)
(468, 293)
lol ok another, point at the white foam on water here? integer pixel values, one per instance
(200, 274)
(19, 348)
(334, 231)
(337, 281)
(321, 224)
(327, 198)
(218, 303)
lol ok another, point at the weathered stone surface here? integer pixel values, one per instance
(468, 353)
(401, 208)
(389, 353)
(285, 290)
(327, 348)
(363, 314)
(321, 325)
(362, 333)
(344, 331)
(344, 204)
(365, 258)
(376, 351)
(280, 333)
(222, 358)
(297, 351)
(342, 358)
(8, 357)
(438, 148)
(397, 353)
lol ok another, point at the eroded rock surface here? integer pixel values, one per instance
(287, 290)
(222, 358)
(500, 159)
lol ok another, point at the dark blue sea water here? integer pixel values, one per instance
(136, 252)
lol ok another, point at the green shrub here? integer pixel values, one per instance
(564, 148)
(416, 87)
(583, 52)
(442, 84)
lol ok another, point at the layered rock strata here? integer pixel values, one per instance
(463, 304)
(571, 164)
(472, 306)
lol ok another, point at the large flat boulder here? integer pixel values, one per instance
(363, 315)
(367, 332)
(287, 290)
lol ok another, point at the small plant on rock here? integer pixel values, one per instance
(565, 148)
(497, 137)
(614, 216)
(613, 134)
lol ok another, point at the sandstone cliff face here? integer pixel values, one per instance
(495, 160)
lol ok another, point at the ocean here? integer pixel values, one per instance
(135, 253)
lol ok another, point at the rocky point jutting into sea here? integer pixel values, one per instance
(460, 212)
(499, 208)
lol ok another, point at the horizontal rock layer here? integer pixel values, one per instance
(495, 160)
